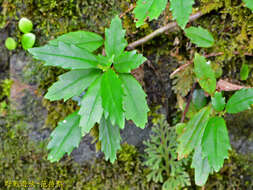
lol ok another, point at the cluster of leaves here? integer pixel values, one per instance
(27, 39)
(161, 157)
(111, 92)
(206, 131)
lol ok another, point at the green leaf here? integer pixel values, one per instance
(10, 44)
(200, 36)
(65, 56)
(181, 11)
(218, 102)
(85, 40)
(134, 101)
(240, 101)
(244, 73)
(201, 166)
(28, 40)
(112, 98)
(115, 42)
(215, 142)
(128, 61)
(65, 137)
(150, 9)
(109, 136)
(72, 83)
(193, 132)
(199, 99)
(204, 73)
(91, 107)
(249, 4)
(25, 25)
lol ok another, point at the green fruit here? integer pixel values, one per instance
(25, 25)
(10, 44)
(199, 99)
(28, 40)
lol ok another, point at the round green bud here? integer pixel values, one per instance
(25, 25)
(10, 44)
(28, 40)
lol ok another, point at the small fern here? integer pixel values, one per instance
(161, 158)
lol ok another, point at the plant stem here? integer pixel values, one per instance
(188, 103)
(160, 31)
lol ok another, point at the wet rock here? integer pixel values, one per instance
(240, 131)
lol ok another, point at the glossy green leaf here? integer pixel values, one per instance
(10, 44)
(112, 98)
(25, 25)
(115, 42)
(215, 142)
(193, 132)
(150, 9)
(240, 101)
(28, 40)
(72, 83)
(91, 107)
(218, 101)
(128, 61)
(85, 40)
(244, 73)
(65, 56)
(204, 73)
(249, 4)
(199, 99)
(109, 135)
(201, 166)
(134, 101)
(181, 11)
(200, 36)
(65, 137)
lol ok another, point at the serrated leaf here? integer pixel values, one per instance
(134, 101)
(91, 107)
(218, 102)
(128, 61)
(65, 56)
(240, 101)
(200, 36)
(109, 136)
(201, 166)
(199, 99)
(85, 40)
(249, 4)
(112, 98)
(115, 42)
(193, 132)
(72, 83)
(244, 73)
(215, 142)
(181, 11)
(150, 9)
(65, 137)
(204, 73)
